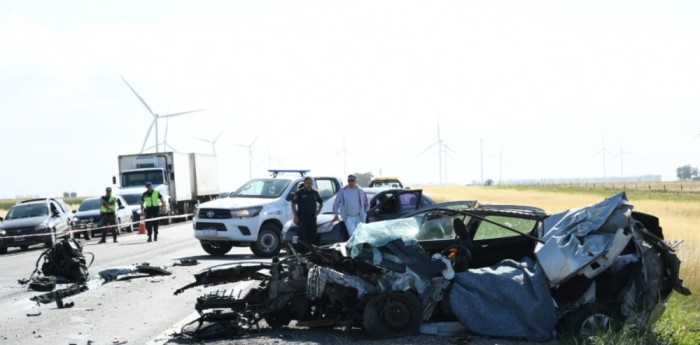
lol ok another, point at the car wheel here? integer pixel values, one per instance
(590, 319)
(268, 243)
(130, 228)
(216, 248)
(278, 319)
(3, 250)
(24, 247)
(390, 315)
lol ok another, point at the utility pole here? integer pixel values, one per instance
(481, 144)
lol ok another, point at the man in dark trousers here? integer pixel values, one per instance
(306, 205)
(108, 215)
(151, 202)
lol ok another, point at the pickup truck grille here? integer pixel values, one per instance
(205, 225)
(213, 213)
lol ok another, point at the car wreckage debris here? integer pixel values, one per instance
(132, 272)
(64, 262)
(391, 286)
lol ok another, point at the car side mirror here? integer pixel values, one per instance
(74, 211)
(121, 207)
(290, 196)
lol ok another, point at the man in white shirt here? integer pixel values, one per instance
(351, 205)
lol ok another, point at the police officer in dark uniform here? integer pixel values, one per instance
(306, 205)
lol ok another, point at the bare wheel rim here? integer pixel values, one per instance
(594, 324)
(267, 241)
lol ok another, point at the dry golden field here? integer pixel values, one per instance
(679, 219)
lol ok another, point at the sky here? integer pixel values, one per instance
(514, 90)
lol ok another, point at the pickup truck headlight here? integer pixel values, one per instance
(246, 212)
(41, 227)
(3, 232)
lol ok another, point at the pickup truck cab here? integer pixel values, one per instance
(255, 213)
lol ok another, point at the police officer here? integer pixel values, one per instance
(151, 202)
(108, 214)
(305, 209)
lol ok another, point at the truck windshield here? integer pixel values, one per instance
(140, 177)
(263, 188)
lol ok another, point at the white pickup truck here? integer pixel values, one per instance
(254, 214)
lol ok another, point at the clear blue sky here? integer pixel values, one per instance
(537, 88)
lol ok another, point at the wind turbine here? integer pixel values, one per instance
(500, 165)
(250, 155)
(271, 159)
(603, 150)
(345, 155)
(155, 117)
(621, 153)
(441, 146)
(213, 142)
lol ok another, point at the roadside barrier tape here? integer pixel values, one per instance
(73, 232)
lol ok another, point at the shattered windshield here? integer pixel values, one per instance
(262, 188)
(27, 211)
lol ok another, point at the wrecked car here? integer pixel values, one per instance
(498, 270)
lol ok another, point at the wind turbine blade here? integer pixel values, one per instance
(429, 147)
(139, 97)
(148, 133)
(182, 113)
(254, 140)
(220, 133)
(449, 148)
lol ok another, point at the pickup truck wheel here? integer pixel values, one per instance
(3, 250)
(24, 247)
(216, 248)
(269, 242)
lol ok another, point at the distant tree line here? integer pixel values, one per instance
(687, 173)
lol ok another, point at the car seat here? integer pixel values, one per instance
(461, 230)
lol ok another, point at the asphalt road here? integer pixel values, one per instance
(135, 311)
(144, 310)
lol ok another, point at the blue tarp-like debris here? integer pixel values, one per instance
(509, 299)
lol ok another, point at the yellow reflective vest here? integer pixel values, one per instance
(152, 201)
(111, 205)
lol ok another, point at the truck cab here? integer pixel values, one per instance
(254, 214)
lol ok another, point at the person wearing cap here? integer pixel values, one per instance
(351, 205)
(108, 215)
(151, 203)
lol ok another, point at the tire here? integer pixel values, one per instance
(216, 248)
(390, 315)
(87, 234)
(3, 250)
(24, 247)
(130, 228)
(590, 319)
(278, 319)
(269, 242)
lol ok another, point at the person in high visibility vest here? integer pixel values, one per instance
(151, 202)
(108, 215)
